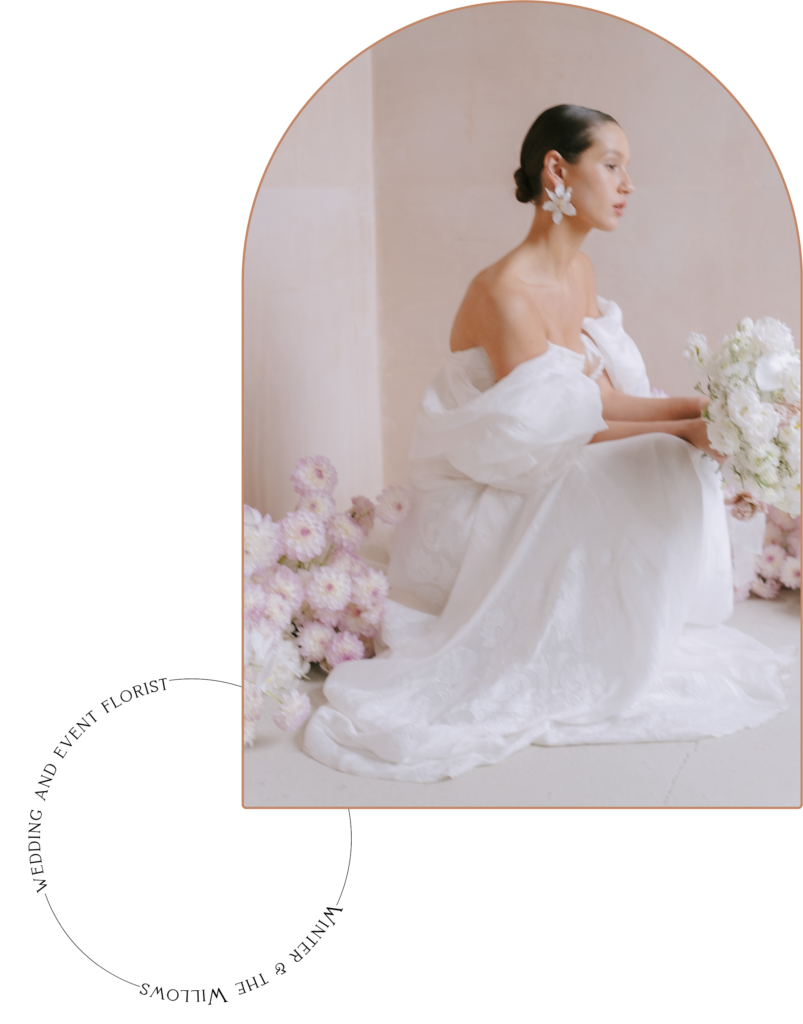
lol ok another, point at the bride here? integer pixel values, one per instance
(566, 562)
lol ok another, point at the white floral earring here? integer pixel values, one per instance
(560, 203)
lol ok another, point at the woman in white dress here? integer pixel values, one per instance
(567, 549)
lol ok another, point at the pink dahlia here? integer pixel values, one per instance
(345, 533)
(262, 578)
(328, 589)
(325, 616)
(348, 563)
(314, 473)
(768, 589)
(793, 544)
(269, 631)
(790, 573)
(276, 614)
(370, 588)
(254, 599)
(782, 519)
(344, 647)
(294, 712)
(374, 613)
(319, 503)
(363, 511)
(773, 534)
(741, 593)
(392, 505)
(355, 620)
(303, 616)
(252, 701)
(288, 586)
(304, 535)
(769, 562)
(251, 517)
(313, 640)
(262, 542)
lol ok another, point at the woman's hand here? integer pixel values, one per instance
(700, 403)
(696, 433)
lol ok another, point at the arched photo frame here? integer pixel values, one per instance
(393, 188)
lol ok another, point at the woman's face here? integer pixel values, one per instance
(599, 180)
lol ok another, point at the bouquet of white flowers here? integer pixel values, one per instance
(753, 413)
(308, 595)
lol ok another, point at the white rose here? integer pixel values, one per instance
(724, 436)
(773, 336)
(775, 369)
(758, 457)
(742, 402)
(757, 420)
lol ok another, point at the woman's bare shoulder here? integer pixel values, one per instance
(497, 289)
(475, 314)
(493, 296)
(499, 314)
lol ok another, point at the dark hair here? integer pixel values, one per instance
(566, 128)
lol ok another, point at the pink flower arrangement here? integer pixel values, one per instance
(363, 512)
(345, 533)
(314, 473)
(768, 589)
(778, 565)
(392, 505)
(770, 561)
(790, 573)
(252, 706)
(304, 535)
(319, 503)
(294, 712)
(344, 647)
(309, 597)
(313, 639)
(328, 589)
(262, 541)
(288, 586)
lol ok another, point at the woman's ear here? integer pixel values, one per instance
(554, 169)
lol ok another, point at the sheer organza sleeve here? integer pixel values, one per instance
(516, 434)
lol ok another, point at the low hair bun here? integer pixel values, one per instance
(524, 192)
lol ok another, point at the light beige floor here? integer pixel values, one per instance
(752, 768)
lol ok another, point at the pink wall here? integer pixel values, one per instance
(311, 358)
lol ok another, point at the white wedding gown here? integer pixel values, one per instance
(573, 590)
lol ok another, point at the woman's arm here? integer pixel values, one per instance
(621, 407)
(691, 430)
